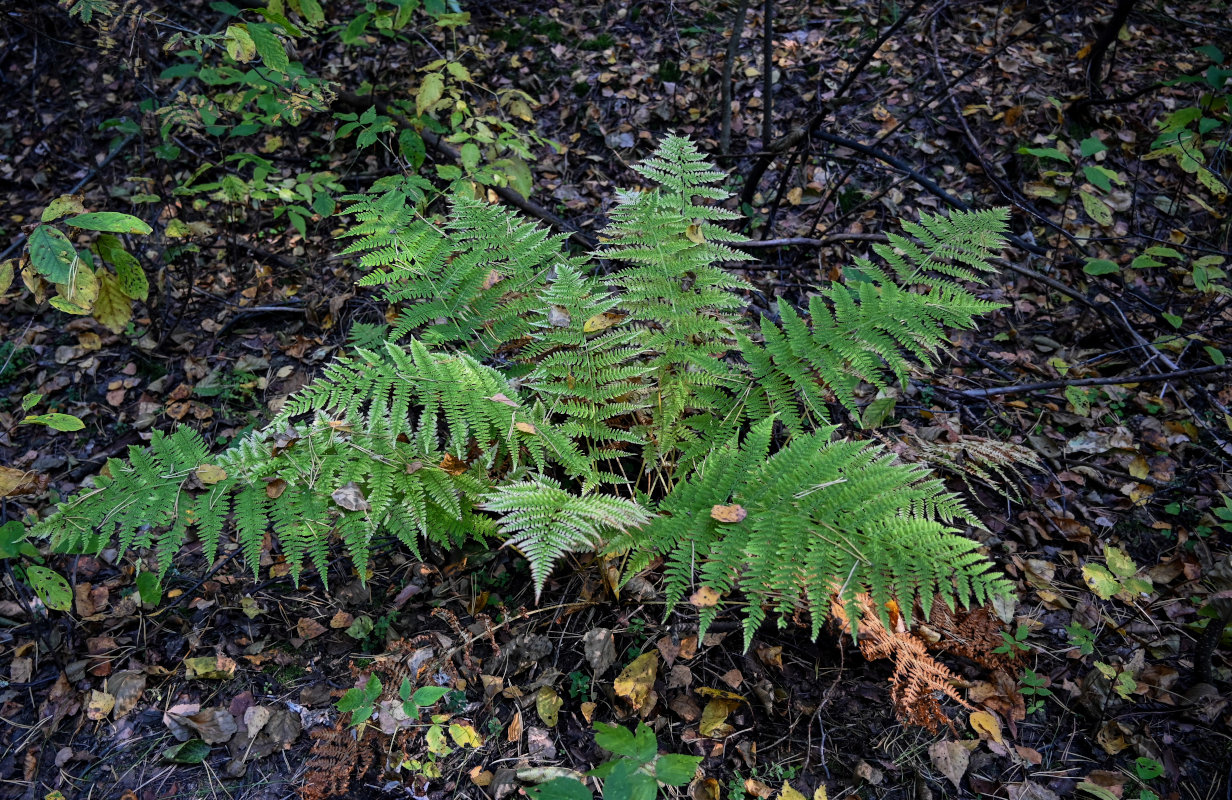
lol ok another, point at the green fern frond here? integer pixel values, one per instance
(872, 328)
(823, 517)
(544, 521)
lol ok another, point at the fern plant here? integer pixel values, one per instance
(520, 396)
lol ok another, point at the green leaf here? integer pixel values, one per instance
(194, 751)
(1215, 355)
(133, 282)
(644, 741)
(1173, 319)
(111, 222)
(1143, 261)
(13, 542)
(1045, 152)
(470, 156)
(448, 172)
(1091, 146)
(411, 145)
(430, 92)
(877, 412)
(1162, 252)
(30, 400)
(627, 782)
(269, 46)
(52, 254)
(1101, 177)
(426, 696)
(560, 789)
(676, 770)
(51, 587)
(149, 588)
(616, 739)
(6, 274)
(1096, 208)
(1100, 266)
(59, 422)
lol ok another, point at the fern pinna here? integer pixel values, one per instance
(639, 411)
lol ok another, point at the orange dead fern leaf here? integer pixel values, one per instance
(332, 763)
(973, 634)
(918, 678)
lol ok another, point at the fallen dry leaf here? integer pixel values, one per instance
(732, 513)
(986, 725)
(951, 760)
(636, 681)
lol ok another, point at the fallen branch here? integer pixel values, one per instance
(1023, 388)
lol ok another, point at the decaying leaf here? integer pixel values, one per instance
(547, 704)
(732, 513)
(951, 760)
(986, 725)
(636, 681)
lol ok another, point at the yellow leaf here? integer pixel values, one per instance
(548, 704)
(705, 597)
(602, 321)
(694, 234)
(209, 474)
(100, 705)
(112, 308)
(820, 794)
(714, 717)
(986, 725)
(525, 427)
(637, 680)
(788, 793)
(464, 735)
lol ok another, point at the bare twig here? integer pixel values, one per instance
(1023, 388)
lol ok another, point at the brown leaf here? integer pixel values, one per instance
(453, 465)
(209, 474)
(951, 759)
(599, 647)
(275, 488)
(15, 482)
(218, 668)
(732, 513)
(351, 497)
(309, 628)
(127, 686)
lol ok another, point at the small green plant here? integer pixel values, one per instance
(1034, 686)
(1146, 770)
(635, 773)
(579, 684)
(360, 702)
(47, 584)
(1014, 644)
(1081, 637)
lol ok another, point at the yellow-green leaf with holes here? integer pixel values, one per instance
(62, 206)
(429, 93)
(240, 45)
(6, 274)
(1096, 208)
(1100, 581)
(112, 308)
(1119, 561)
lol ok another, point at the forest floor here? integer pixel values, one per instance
(1109, 679)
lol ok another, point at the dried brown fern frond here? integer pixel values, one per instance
(973, 634)
(919, 680)
(995, 463)
(331, 767)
